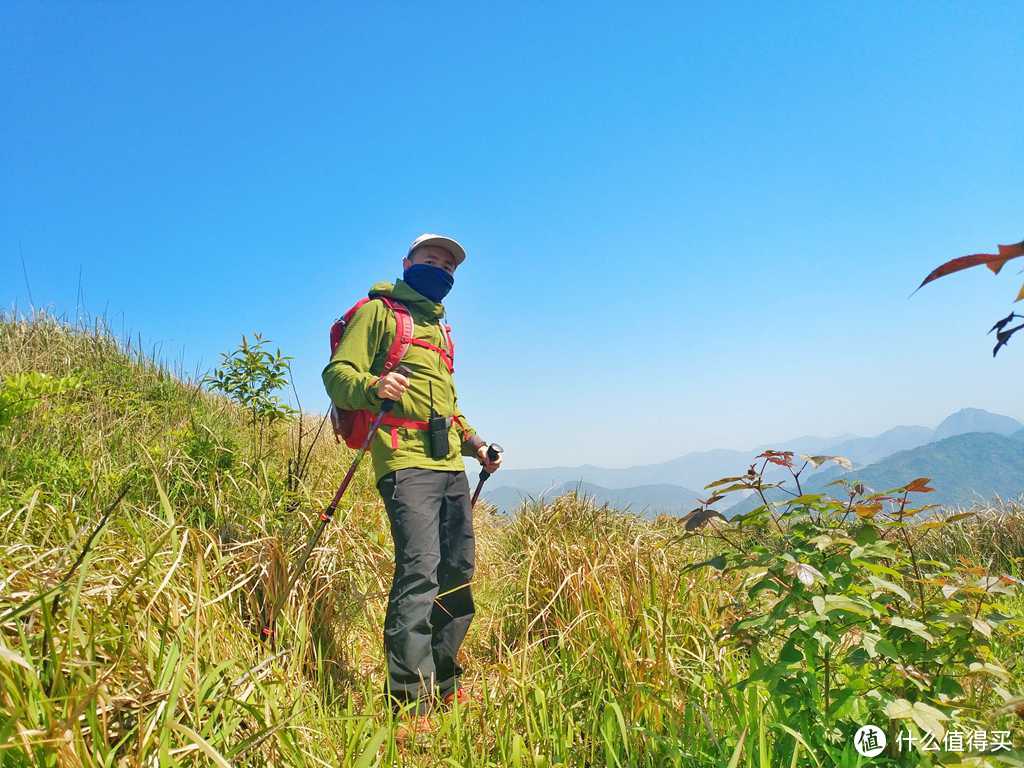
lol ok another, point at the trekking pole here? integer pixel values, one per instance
(493, 452)
(328, 514)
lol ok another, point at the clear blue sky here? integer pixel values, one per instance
(689, 226)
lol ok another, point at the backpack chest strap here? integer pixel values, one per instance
(446, 356)
(405, 336)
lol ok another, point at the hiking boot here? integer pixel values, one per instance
(459, 695)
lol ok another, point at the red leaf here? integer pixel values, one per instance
(994, 262)
(1007, 252)
(781, 458)
(920, 485)
(708, 502)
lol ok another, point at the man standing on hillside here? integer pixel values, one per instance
(417, 462)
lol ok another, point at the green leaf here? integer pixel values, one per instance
(947, 686)
(790, 653)
(753, 621)
(869, 642)
(807, 498)
(369, 754)
(841, 698)
(890, 587)
(738, 752)
(982, 627)
(929, 718)
(767, 583)
(883, 570)
(715, 562)
(886, 648)
(899, 709)
(912, 625)
(961, 516)
(844, 603)
(988, 668)
(866, 534)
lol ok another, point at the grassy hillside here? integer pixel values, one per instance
(128, 630)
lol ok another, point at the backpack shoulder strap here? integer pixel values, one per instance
(403, 333)
(449, 343)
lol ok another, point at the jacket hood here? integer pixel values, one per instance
(403, 292)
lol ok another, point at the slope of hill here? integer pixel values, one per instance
(644, 500)
(868, 450)
(975, 420)
(964, 469)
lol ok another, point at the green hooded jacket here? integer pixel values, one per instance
(352, 374)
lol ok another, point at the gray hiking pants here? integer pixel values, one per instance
(430, 606)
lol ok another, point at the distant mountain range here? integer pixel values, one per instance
(963, 469)
(644, 500)
(652, 489)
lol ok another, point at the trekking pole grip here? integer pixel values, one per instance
(387, 405)
(494, 452)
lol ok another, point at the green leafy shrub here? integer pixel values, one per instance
(211, 451)
(845, 622)
(250, 376)
(21, 393)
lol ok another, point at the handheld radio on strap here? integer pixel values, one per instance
(437, 429)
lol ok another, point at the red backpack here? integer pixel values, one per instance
(353, 426)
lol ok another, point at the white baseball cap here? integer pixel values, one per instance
(449, 244)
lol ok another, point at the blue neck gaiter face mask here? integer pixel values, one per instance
(428, 280)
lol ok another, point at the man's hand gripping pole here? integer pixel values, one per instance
(494, 451)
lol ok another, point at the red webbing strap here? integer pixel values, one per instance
(403, 333)
(449, 363)
(446, 332)
(462, 427)
(394, 422)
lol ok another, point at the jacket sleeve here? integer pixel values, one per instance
(471, 441)
(347, 377)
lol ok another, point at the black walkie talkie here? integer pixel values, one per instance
(437, 428)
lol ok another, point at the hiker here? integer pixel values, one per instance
(417, 462)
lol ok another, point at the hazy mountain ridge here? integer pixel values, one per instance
(975, 420)
(697, 469)
(963, 469)
(644, 500)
